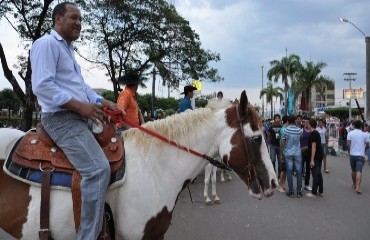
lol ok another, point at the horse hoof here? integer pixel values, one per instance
(218, 201)
(209, 203)
(222, 180)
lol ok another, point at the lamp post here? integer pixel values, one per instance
(263, 105)
(350, 77)
(367, 41)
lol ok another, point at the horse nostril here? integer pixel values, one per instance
(273, 183)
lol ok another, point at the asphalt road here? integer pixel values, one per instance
(340, 214)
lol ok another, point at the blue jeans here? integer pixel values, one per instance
(71, 134)
(275, 153)
(297, 161)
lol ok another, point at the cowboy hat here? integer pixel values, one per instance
(188, 89)
(129, 79)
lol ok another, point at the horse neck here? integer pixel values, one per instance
(173, 162)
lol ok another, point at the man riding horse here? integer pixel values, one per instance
(67, 105)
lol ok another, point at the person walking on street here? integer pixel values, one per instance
(316, 156)
(357, 143)
(282, 167)
(273, 139)
(292, 153)
(68, 105)
(305, 154)
(324, 134)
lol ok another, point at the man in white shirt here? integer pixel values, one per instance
(357, 143)
(67, 103)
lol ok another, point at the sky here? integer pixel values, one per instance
(249, 34)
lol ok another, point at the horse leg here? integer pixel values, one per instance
(228, 173)
(222, 175)
(207, 175)
(213, 179)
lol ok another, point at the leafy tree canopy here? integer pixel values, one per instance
(117, 35)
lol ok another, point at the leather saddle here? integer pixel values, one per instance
(38, 151)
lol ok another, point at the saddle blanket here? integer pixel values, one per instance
(59, 180)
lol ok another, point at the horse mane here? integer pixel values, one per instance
(182, 127)
(216, 104)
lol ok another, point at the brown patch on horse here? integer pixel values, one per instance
(14, 202)
(157, 226)
(245, 110)
(239, 157)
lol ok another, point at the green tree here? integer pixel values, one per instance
(342, 112)
(144, 102)
(9, 100)
(109, 95)
(270, 92)
(201, 102)
(168, 103)
(308, 77)
(124, 35)
(284, 69)
(30, 19)
(149, 36)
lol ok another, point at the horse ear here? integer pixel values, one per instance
(243, 102)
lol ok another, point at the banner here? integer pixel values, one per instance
(353, 93)
(290, 102)
(197, 84)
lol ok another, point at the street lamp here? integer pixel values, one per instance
(367, 41)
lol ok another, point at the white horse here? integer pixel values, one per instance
(210, 174)
(156, 173)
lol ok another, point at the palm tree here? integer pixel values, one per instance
(309, 77)
(286, 68)
(270, 91)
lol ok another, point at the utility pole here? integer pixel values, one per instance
(350, 77)
(367, 42)
(153, 90)
(263, 105)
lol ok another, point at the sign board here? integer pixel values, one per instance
(197, 84)
(332, 126)
(353, 93)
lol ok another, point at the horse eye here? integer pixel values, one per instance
(257, 140)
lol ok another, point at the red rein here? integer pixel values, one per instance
(116, 116)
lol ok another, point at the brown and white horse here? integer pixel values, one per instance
(156, 173)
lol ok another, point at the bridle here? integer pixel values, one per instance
(248, 142)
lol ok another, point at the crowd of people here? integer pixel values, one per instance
(298, 147)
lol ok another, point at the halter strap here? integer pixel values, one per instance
(248, 165)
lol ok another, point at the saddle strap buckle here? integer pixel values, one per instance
(44, 233)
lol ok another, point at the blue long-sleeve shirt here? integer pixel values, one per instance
(185, 104)
(56, 76)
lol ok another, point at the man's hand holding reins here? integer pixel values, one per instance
(112, 106)
(91, 110)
